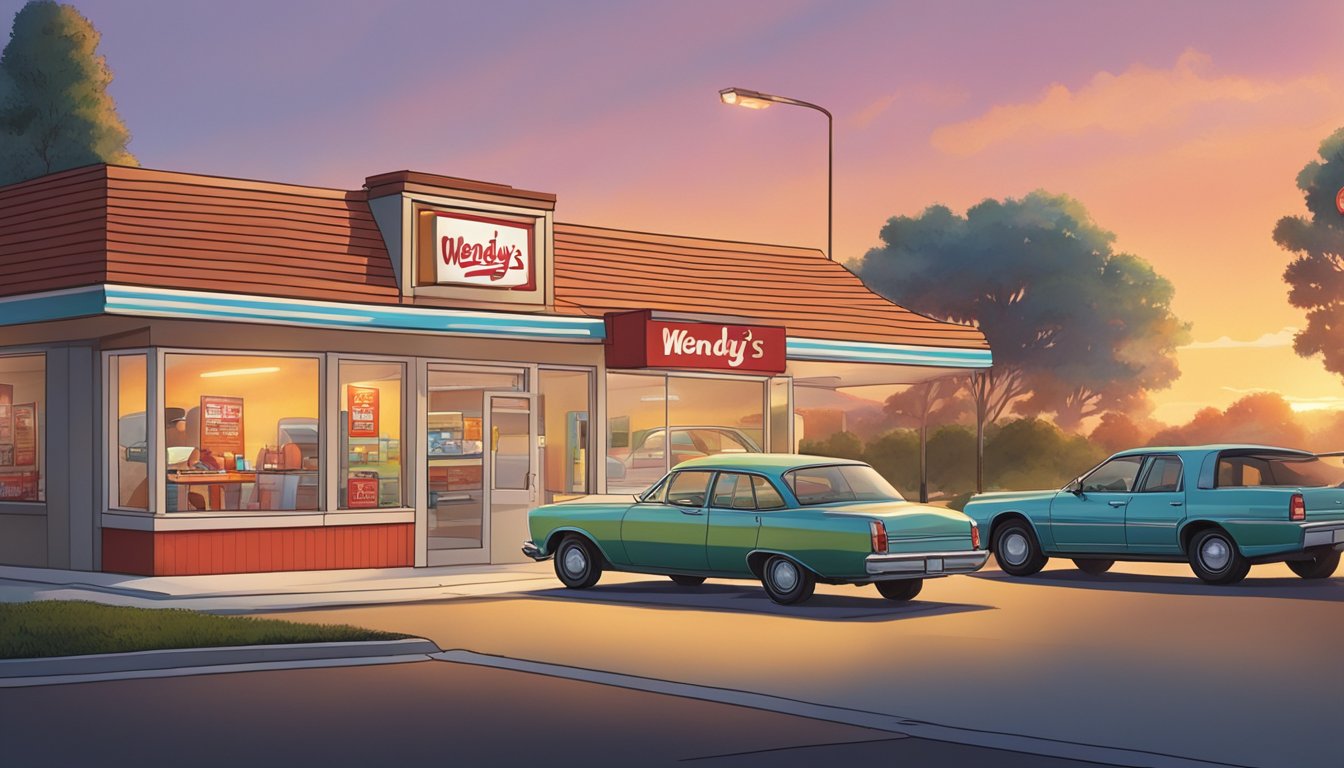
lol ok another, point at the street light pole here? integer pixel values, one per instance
(756, 100)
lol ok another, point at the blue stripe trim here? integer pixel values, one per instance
(825, 350)
(158, 302)
(58, 305)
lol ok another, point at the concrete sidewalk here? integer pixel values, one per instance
(247, 592)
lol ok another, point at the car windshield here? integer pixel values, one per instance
(1285, 469)
(839, 483)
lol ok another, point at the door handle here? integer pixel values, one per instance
(691, 512)
(1117, 503)
(1176, 503)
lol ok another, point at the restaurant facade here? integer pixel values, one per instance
(211, 375)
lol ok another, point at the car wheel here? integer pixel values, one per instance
(577, 564)
(1093, 567)
(1319, 567)
(1016, 549)
(900, 591)
(1215, 559)
(687, 581)
(787, 582)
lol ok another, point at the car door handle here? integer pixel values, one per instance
(1177, 503)
(691, 512)
(1117, 503)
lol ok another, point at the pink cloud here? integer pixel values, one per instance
(1136, 101)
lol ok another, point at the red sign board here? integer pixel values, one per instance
(25, 434)
(1339, 200)
(18, 487)
(636, 340)
(361, 403)
(361, 492)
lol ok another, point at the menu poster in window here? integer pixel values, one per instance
(471, 428)
(6, 455)
(222, 425)
(362, 405)
(361, 492)
(25, 434)
(6, 419)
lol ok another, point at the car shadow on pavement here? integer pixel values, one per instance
(1288, 588)
(752, 599)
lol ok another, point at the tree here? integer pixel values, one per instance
(1263, 418)
(894, 455)
(917, 405)
(55, 112)
(1031, 454)
(1316, 277)
(1071, 324)
(1117, 432)
(841, 445)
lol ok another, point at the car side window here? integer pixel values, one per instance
(766, 495)
(1164, 476)
(725, 489)
(688, 489)
(1115, 476)
(655, 494)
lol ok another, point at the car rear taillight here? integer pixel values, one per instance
(879, 532)
(975, 536)
(1297, 508)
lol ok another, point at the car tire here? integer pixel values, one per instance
(1093, 567)
(577, 563)
(1320, 567)
(901, 590)
(687, 581)
(1215, 559)
(786, 582)
(1016, 549)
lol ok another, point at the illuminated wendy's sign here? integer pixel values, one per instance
(637, 340)
(483, 252)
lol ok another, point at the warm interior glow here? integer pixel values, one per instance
(238, 372)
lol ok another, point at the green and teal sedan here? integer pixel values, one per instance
(1222, 508)
(789, 521)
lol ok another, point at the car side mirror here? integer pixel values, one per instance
(1075, 487)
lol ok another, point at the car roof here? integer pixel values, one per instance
(1215, 447)
(771, 462)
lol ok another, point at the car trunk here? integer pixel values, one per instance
(915, 527)
(1324, 504)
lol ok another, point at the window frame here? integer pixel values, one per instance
(331, 437)
(1138, 473)
(1147, 472)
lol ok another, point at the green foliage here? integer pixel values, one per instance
(1031, 453)
(951, 458)
(1316, 277)
(895, 456)
(71, 628)
(55, 112)
(841, 445)
(1076, 326)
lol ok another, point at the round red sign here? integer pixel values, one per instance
(1339, 200)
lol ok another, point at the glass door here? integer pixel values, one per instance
(458, 457)
(511, 481)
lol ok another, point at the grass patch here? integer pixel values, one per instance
(76, 627)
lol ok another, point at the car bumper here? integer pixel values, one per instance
(1322, 534)
(926, 564)
(533, 552)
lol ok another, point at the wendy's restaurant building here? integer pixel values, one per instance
(209, 375)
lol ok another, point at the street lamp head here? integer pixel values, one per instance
(741, 97)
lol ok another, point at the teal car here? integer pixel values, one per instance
(1222, 508)
(789, 521)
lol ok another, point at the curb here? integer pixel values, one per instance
(62, 668)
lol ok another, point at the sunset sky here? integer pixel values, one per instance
(1181, 126)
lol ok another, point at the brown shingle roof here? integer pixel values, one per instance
(604, 270)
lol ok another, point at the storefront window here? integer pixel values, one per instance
(636, 431)
(710, 416)
(23, 397)
(566, 406)
(656, 422)
(371, 423)
(241, 432)
(127, 376)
